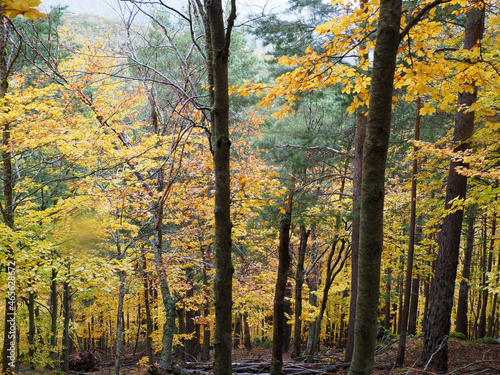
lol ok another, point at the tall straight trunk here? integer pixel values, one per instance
(415, 291)
(372, 187)
(280, 289)
(387, 307)
(149, 320)
(119, 322)
(356, 205)
(9, 341)
(299, 282)
(312, 283)
(491, 324)
(53, 315)
(218, 41)
(31, 328)
(435, 351)
(400, 356)
(237, 331)
(191, 346)
(66, 322)
(486, 269)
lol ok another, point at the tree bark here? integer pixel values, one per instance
(53, 316)
(372, 187)
(147, 307)
(66, 321)
(299, 282)
(280, 289)
(218, 52)
(119, 320)
(387, 297)
(461, 322)
(435, 351)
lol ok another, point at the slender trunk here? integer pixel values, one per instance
(412, 322)
(312, 283)
(219, 38)
(139, 322)
(119, 320)
(387, 308)
(280, 289)
(149, 320)
(461, 322)
(372, 197)
(191, 345)
(299, 282)
(491, 324)
(31, 328)
(53, 315)
(435, 351)
(9, 339)
(332, 270)
(481, 329)
(66, 321)
(403, 325)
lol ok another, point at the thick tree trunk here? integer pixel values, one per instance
(218, 52)
(299, 282)
(403, 325)
(280, 289)
(435, 351)
(372, 187)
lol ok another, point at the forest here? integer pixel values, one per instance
(195, 188)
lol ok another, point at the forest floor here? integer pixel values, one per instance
(464, 357)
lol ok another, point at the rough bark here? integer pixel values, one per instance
(299, 282)
(373, 177)
(219, 41)
(387, 297)
(435, 351)
(149, 320)
(119, 320)
(280, 289)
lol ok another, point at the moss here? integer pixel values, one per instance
(488, 340)
(457, 335)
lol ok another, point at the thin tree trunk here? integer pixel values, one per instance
(237, 332)
(66, 320)
(491, 324)
(246, 330)
(31, 328)
(403, 325)
(372, 197)
(9, 339)
(53, 316)
(280, 289)
(299, 282)
(149, 320)
(387, 308)
(435, 351)
(485, 261)
(119, 321)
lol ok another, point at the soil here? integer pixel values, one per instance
(464, 357)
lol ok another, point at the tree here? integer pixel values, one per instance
(372, 185)
(435, 352)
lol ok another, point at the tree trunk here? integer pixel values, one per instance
(485, 267)
(246, 329)
(119, 320)
(31, 328)
(491, 324)
(237, 332)
(387, 308)
(299, 282)
(53, 316)
(218, 41)
(332, 270)
(66, 321)
(372, 196)
(435, 351)
(280, 289)
(412, 322)
(403, 325)
(9, 339)
(149, 320)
